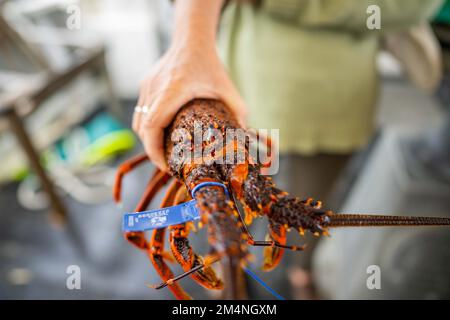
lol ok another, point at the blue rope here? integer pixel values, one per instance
(261, 282)
(209, 183)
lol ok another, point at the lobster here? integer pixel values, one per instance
(228, 232)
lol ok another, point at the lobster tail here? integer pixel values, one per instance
(368, 220)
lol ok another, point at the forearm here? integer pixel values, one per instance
(196, 21)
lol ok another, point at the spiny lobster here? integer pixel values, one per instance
(228, 233)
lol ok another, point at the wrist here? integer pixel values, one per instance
(196, 22)
(190, 42)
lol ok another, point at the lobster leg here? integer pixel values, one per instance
(184, 254)
(273, 255)
(279, 242)
(158, 180)
(208, 260)
(157, 257)
(124, 168)
(157, 254)
(277, 232)
(156, 245)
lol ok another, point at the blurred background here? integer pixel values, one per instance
(69, 79)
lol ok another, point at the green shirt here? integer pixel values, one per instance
(308, 67)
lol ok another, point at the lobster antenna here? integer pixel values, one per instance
(340, 220)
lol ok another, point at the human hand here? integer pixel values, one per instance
(190, 69)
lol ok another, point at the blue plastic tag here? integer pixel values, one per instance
(160, 218)
(164, 217)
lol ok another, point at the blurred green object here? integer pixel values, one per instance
(443, 16)
(97, 141)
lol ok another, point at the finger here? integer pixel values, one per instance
(153, 144)
(136, 119)
(144, 102)
(153, 124)
(164, 109)
(137, 115)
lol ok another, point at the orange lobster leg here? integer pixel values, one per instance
(158, 180)
(273, 255)
(157, 257)
(124, 168)
(157, 254)
(208, 260)
(264, 243)
(184, 254)
(156, 245)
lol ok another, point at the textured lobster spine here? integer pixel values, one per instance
(368, 220)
